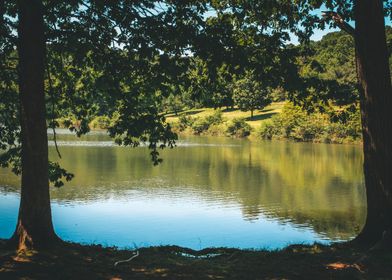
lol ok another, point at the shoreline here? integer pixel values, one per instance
(75, 261)
(252, 137)
(277, 121)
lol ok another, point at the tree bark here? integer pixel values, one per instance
(376, 110)
(34, 226)
(2, 13)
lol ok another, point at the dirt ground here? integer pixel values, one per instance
(75, 261)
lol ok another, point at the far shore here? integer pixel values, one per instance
(248, 127)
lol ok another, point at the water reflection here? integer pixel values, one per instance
(207, 192)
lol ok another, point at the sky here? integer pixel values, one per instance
(318, 33)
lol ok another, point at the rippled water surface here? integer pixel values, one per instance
(208, 192)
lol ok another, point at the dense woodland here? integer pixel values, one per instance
(130, 63)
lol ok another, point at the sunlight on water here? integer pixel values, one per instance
(208, 192)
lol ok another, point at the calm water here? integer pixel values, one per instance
(208, 192)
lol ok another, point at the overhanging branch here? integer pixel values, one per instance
(339, 21)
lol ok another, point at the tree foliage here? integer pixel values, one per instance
(250, 94)
(102, 58)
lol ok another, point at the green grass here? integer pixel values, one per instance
(259, 116)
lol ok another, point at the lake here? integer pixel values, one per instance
(208, 192)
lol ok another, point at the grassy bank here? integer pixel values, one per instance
(279, 120)
(222, 122)
(74, 261)
(260, 116)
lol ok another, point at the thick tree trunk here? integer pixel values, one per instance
(34, 226)
(376, 109)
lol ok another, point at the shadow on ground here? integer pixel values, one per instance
(74, 261)
(260, 117)
(186, 113)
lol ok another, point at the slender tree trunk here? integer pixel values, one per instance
(34, 226)
(2, 12)
(376, 109)
(251, 114)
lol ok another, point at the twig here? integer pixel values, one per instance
(53, 108)
(128, 260)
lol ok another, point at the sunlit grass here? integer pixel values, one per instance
(259, 116)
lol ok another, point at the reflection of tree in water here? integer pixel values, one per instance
(317, 185)
(308, 184)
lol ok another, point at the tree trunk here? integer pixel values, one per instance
(251, 114)
(34, 227)
(2, 13)
(376, 110)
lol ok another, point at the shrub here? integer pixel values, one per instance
(215, 118)
(216, 130)
(282, 125)
(294, 123)
(184, 121)
(100, 122)
(238, 128)
(349, 130)
(290, 117)
(201, 125)
(270, 129)
(312, 128)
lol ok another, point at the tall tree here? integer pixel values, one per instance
(79, 37)
(376, 103)
(34, 225)
(374, 83)
(374, 79)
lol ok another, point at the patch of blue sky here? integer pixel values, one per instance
(317, 33)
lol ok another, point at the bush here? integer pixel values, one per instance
(215, 118)
(216, 130)
(349, 131)
(100, 122)
(184, 121)
(283, 124)
(294, 123)
(312, 128)
(238, 128)
(270, 129)
(290, 117)
(201, 125)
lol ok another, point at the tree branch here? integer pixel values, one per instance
(52, 97)
(339, 21)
